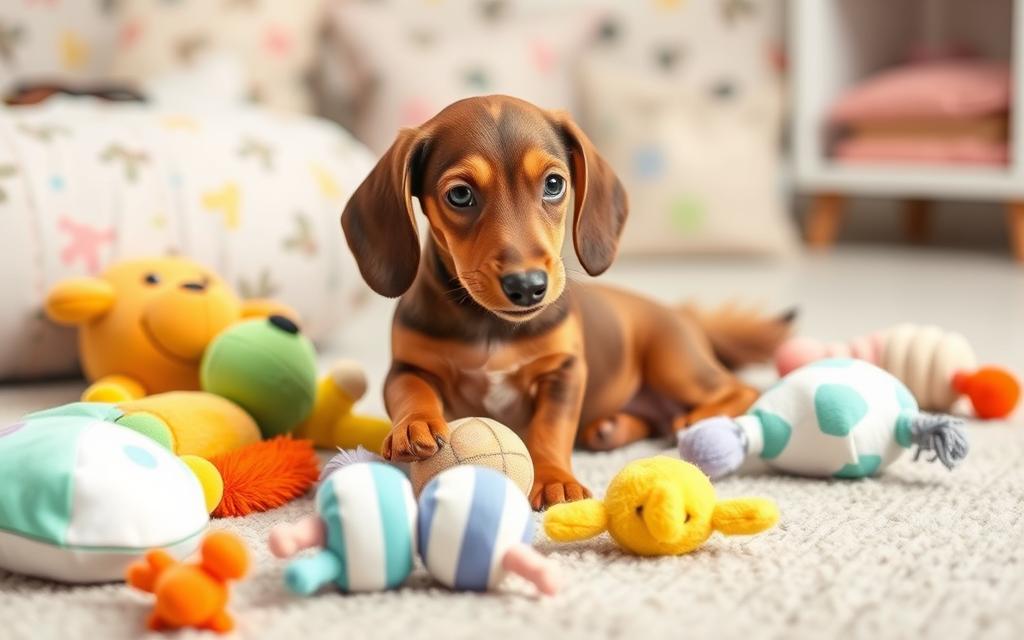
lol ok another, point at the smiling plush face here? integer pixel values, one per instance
(147, 319)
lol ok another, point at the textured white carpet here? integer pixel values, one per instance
(917, 553)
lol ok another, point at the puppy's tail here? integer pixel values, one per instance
(742, 336)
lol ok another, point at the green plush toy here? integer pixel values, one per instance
(267, 367)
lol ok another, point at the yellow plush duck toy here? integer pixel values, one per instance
(657, 507)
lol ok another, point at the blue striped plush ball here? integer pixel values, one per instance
(469, 517)
(369, 514)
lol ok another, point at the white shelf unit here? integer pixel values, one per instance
(837, 43)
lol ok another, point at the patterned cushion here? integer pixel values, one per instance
(273, 40)
(702, 173)
(62, 41)
(437, 53)
(684, 100)
(254, 195)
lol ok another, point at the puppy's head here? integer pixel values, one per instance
(498, 180)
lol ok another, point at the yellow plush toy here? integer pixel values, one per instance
(332, 422)
(153, 332)
(659, 506)
(144, 325)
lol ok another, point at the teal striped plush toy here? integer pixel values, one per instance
(473, 526)
(838, 418)
(365, 526)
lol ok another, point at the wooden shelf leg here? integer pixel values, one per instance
(823, 219)
(1015, 221)
(916, 220)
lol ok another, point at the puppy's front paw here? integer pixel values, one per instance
(553, 486)
(415, 438)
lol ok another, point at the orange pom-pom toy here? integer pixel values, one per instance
(193, 594)
(994, 392)
(265, 475)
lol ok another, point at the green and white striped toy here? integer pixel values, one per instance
(840, 418)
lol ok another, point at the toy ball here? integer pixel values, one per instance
(365, 527)
(482, 442)
(469, 518)
(81, 499)
(657, 507)
(266, 367)
(838, 418)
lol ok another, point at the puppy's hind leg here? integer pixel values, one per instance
(616, 431)
(680, 364)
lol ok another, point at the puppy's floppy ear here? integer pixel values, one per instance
(379, 221)
(599, 200)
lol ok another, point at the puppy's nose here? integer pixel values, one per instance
(526, 288)
(194, 286)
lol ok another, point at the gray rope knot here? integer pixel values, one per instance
(943, 435)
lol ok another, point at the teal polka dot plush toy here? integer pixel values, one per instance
(838, 418)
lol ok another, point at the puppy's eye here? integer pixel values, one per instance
(460, 197)
(151, 279)
(554, 187)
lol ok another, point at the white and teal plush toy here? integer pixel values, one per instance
(472, 524)
(476, 527)
(838, 418)
(365, 529)
(82, 498)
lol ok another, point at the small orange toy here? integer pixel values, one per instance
(192, 594)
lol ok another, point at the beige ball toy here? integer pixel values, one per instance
(482, 442)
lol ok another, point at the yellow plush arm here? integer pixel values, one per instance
(209, 479)
(575, 520)
(744, 516)
(79, 300)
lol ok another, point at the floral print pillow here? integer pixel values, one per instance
(255, 195)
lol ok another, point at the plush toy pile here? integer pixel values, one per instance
(201, 403)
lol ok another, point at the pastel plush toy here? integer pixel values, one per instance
(475, 527)
(659, 506)
(840, 418)
(194, 594)
(266, 367)
(332, 424)
(144, 325)
(938, 366)
(168, 324)
(82, 498)
(365, 527)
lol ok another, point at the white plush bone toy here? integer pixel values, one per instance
(840, 418)
(938, 366)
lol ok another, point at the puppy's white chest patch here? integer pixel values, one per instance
(501, 392)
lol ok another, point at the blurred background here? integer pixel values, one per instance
(744, 130)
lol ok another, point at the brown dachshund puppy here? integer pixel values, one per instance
(489, 324)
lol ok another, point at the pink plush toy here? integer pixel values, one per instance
(937, 365)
